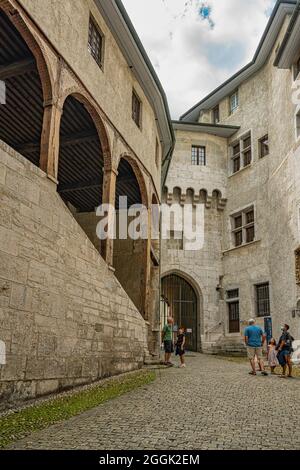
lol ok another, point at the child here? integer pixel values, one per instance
(272, 355)
(180, 346)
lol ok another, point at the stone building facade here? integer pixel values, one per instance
(85, 120)
(237, 152)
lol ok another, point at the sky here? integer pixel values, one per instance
(194, 46)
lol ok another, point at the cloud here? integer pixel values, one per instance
(190, 56)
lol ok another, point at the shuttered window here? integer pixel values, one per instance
(95, 42)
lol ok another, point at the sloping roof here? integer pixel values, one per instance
(127, 38)
(288, 52)
(281, 9)
(213, 129)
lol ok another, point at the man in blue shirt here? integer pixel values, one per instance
(254, 340)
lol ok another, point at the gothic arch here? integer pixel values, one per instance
(198, 291)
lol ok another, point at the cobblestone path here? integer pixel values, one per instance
(212, 404)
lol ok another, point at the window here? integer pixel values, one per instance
(247, 152)
(262, 300)
(243, 227)
(136, 109)
(264, 146)
(236, 157)
(234, 101)
(157, 153)
(241, 153)
(175, 240)
(216, 115)
(233, 311)
(297, 69)
(298, 124)
(198, 155)
(233, 294)
(95, 42)
(297, 265)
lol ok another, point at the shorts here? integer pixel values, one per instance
(168, 345)
(282, 357)
(252, 352)
(179, 351)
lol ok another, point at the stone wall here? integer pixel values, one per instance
(203, 267)
(65, 24)
(270, 184)
(64, 317)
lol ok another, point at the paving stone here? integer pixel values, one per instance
(212, 404)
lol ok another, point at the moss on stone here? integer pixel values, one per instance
(28, 420)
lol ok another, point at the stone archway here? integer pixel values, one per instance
(130, 259)
(184, 299)
(24, 71)
(82, 152)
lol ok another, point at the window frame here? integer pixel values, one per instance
(230, 301)
(236, 101)
(296, 69)
(297, 266)
(135, 97)
(239, 233)
(241, 154)
(297, 124)
(175, 240)
(197, 160)
(216, 112)
(100, 60)
(262, 145)
(157, 153)
(258, 300)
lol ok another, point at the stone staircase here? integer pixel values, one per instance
(225, 347)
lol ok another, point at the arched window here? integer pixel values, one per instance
(21, 115)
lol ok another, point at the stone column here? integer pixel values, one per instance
(50, 140)
(109, 196)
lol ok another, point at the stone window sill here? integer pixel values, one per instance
(241, 246)
(241, 170)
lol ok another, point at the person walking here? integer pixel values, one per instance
(254, 340)
(167, 339)
(285, 351)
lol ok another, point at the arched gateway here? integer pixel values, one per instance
(183, 304)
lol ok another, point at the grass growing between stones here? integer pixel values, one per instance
(22, 423)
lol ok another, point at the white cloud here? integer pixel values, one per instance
(190, 57)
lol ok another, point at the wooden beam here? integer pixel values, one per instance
(80, 138)
(17, 68)
(79, 186)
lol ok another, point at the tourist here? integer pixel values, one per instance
(180, 343)
(272, 355)
(285, 351)
(167, 339)
(254, 340)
